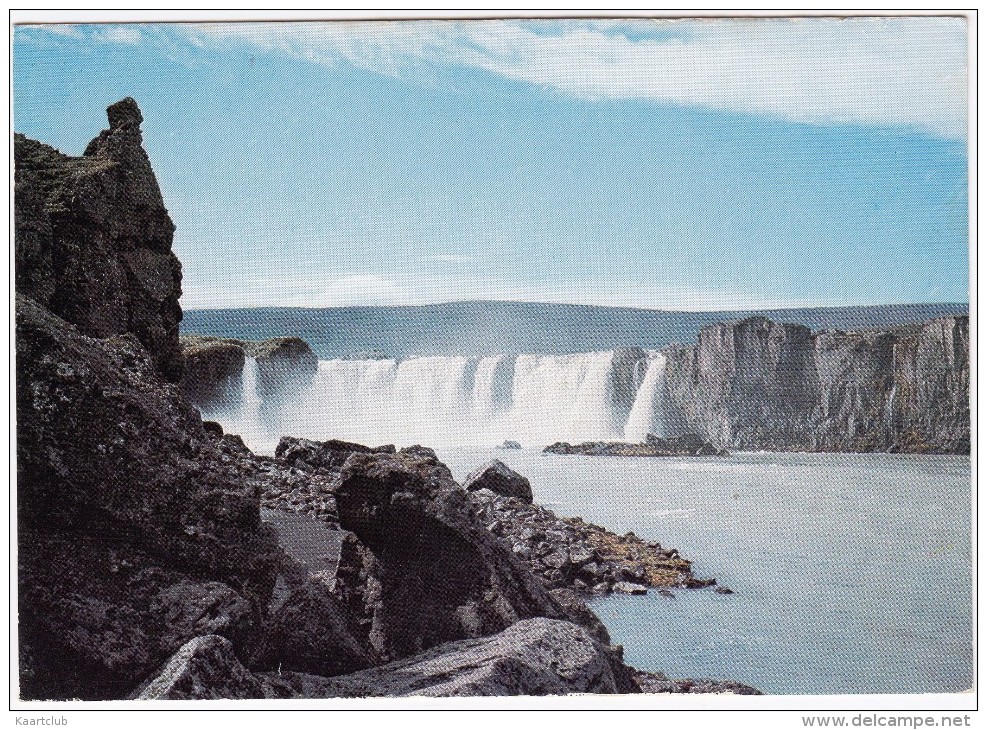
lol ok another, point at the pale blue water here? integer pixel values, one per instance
(852, 572)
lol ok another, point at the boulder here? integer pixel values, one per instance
(92, 238)
(311, 632)
(500, 479)
(433, 555)
(580, 614)
(326, 455)
(206, 668)
(533, 657)
(418, 450)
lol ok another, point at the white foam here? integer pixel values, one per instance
(443, 401)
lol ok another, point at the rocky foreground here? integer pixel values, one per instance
(158, 558)
(200, 595)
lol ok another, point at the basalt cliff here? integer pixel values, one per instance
(93, 239)
(758, 384)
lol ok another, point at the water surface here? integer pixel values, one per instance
(852, 572)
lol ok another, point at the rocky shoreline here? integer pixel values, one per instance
(685, 445)
(567, 552)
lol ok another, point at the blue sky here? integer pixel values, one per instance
(671, 165)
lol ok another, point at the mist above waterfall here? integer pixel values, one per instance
(456, 401)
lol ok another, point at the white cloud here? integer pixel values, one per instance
(69, 31)
(353, 289)
(127, 34)
(907, 71)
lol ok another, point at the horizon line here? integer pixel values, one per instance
(576, 304)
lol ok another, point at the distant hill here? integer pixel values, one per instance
(489, 328)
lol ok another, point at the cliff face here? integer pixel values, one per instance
(930, 399)
(757, 384)
(136, 530)
(93, 238)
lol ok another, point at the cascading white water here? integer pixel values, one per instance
(430, 401)
(449, 400)
(239, 411)
(889, 410)
(561, 398)
(485, 384)
(646, 413)
(251, 401)
(343, 401)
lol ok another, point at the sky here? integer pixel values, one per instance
(680, 165)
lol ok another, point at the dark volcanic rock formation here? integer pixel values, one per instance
(929, 401)
(314, 455)
(756, 384)
(855, 374)
(312, 632)
(432, 555)
(533, 657)
(93, 238)
(129, 516)
(214, 370)
(746, 384)
(500, 479)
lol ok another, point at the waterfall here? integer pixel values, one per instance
(489, 382)
(646, 414)
(239, 410)
(430, 401)
(251, 401)
(449, 401)
(561, 398)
